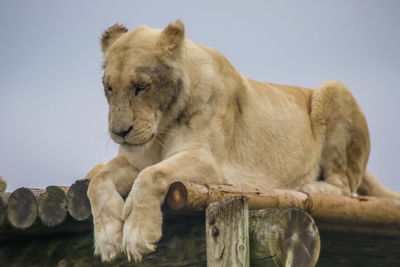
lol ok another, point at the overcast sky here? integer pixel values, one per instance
(53, 114)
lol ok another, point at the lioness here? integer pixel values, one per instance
(181, 111)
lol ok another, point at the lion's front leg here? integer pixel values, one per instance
(104, 193)
(142, 213)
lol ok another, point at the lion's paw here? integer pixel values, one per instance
(135, 245)
(108, 240)
(142, 229)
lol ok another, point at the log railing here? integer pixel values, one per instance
(346, 214)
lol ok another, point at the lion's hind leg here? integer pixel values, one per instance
(341, 131)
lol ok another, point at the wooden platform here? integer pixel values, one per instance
(26, 239)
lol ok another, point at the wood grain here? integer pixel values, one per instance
(227, 233)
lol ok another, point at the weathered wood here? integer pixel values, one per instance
(22, 207)
(331, 212)
(39, 230)
(189, 196)
(4, 196)
(78, 202)
(227, 233)
(52, 205)
(184, 244)
(285, 236)
(26, 204)
(354, 249)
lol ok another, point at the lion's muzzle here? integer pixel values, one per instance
(122, 132)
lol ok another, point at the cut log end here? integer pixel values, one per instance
(177, 196)
(22, 208)
(78, 202)
(288, 235)
(53, 206)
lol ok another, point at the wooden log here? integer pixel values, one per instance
(227, 233)
(22, 207)
(52, 205)
(4, 196)
(26, 204)
(331, 212)
(78, 202)
(196, 197)
(285, 236)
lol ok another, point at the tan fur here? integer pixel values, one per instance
(96, 169)
(181, 111)
(3, 185)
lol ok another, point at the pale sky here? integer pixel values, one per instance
(53, 114)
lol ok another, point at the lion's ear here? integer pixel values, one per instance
(111, 35)
(172, 36)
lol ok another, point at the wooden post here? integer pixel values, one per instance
(78, 202)
(282, 237)
(227, 233)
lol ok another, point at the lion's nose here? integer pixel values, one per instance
(123, 133)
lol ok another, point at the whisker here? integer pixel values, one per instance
(162, 132)
(158, 141)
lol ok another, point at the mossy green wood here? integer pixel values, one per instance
(183, 244)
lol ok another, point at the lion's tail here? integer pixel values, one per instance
(371, 187)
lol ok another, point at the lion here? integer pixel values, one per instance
(181, 112)
(3, 185)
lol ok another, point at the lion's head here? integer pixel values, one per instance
(141, 80)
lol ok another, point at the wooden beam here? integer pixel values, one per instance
(227, 233)
(339, 213)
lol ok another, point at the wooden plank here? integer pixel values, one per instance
(227, 233)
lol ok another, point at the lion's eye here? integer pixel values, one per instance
(109, 90)
(139, 88)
